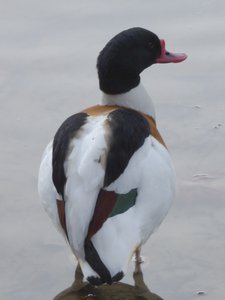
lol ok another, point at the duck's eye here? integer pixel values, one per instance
(151, 45)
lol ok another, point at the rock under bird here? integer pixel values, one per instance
(107, 179)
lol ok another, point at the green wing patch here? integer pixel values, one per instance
(124, 202)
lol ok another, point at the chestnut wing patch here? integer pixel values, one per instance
(110, 204)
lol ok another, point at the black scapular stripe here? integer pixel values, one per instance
(128, 132)
(60, 147)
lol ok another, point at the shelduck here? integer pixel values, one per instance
(107, 179)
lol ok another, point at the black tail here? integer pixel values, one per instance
(94, 260)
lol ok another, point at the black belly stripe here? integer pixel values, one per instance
(60, 147)
(128, 131)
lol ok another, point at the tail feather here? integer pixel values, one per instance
(92, 257)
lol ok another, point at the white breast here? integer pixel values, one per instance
(137, 98)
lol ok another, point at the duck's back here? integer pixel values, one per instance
(107, 182)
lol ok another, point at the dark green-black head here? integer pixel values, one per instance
(126, 55)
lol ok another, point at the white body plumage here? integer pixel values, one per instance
(150, 170)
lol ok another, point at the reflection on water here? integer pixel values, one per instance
(84, 291)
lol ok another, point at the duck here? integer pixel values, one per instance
(107, 179)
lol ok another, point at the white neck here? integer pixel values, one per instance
(137, 98)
